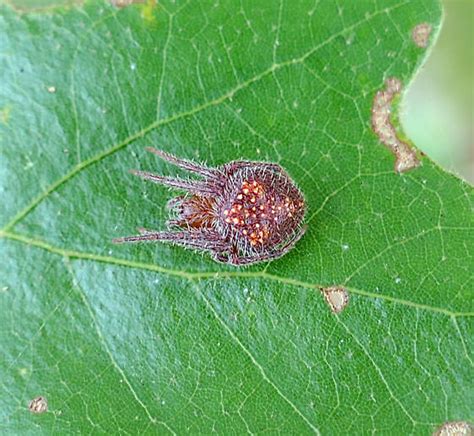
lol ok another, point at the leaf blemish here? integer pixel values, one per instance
(421, 34)
(406, 158)
(38, 405)
(337, 298)
(455, 428)
(5, 114)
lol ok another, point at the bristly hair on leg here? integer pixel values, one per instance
(202, 170)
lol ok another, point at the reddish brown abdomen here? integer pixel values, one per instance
(261, 214)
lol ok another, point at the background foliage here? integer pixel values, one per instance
(439, 105)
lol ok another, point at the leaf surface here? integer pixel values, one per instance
(157, 339)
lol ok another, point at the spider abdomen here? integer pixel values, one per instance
(262, 210)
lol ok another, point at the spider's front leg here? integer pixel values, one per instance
(185, 164)
(208, 240)
(175, 202)
(202, 188)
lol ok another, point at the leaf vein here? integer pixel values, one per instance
(109, 352)
(196, 276)
(378, 370)
(255, 362)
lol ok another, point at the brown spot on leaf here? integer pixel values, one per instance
(406, 158)
(455, 428)
(337, 297)
(38, 405)
(421, 34)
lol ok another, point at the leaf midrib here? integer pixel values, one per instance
(197, 276)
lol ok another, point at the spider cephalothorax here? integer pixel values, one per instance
(241, 212)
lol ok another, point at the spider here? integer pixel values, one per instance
(241, 212)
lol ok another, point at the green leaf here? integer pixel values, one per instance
(157, 339)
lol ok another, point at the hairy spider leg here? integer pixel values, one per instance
(185, 164)
(175, 201)
(171, 223)
(199, 188)
(144, 231)
(189, 239)
(234, 260)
